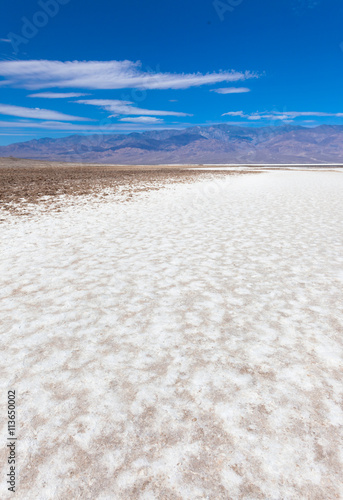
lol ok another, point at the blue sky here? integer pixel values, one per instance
(80, 66)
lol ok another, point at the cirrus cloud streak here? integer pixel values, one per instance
(102, 128)
(37, 113)
(56, 95)
(280, 115)
(118, 107)
(142, 119)
(39, 74)
(231, 90)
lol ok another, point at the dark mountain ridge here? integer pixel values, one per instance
(221, 144)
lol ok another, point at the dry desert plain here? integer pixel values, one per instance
(172, 332)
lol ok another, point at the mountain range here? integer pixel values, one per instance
(217, 144)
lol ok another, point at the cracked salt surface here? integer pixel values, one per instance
(185, 345)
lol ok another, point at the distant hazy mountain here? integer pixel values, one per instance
(212, 144)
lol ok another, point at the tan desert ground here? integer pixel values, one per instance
(172, 332)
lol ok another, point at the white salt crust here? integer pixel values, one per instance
(184, 345)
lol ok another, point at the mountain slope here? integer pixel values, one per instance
(212, 144)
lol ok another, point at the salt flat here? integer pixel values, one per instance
(184, 345)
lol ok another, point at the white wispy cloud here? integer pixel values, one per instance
(295, 114)
(231, 90)
(20, 134)
(117, 107)
(235, 113)
(40, 114)
(5, 40)
(142, 119)
(57, 95)
(49, 125)
(281, 115)
(71, 127)
(39, 74)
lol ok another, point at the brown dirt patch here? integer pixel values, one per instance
(26, 182)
